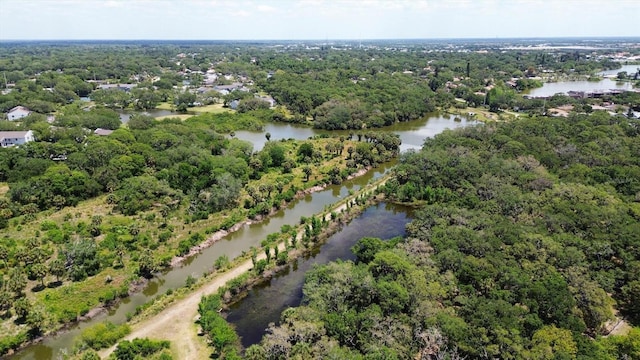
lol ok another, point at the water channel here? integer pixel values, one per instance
(412, 134)
(265, 303)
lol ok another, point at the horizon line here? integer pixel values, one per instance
(340, 39)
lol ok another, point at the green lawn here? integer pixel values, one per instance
(213, 108)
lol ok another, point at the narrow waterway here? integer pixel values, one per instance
(412, 133)
(264, 303)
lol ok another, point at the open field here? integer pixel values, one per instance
(213, 108)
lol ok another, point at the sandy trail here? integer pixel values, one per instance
(176, 323)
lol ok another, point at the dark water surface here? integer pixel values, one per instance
(264, 303)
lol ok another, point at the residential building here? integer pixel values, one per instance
(13, 138)
(103, 132)
(123, 87)
(17, 113)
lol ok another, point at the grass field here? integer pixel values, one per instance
(213, 108)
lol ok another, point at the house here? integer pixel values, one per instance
(123, 87)
(228, 88)
(102, 132)
(268, 99)
(18, 112)
(13, 138)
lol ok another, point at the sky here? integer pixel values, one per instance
(314, 19)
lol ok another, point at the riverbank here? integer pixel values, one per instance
(174, 320)
(220, 234)
(139, 285)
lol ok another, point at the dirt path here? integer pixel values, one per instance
(176, 322)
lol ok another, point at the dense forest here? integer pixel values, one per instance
(525, 247)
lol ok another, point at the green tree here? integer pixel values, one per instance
(57, 268)
(551, 342)
(17, 281)
(307, 172)
(39, 271)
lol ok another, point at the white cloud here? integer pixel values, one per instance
(266, 8)
(306, 19)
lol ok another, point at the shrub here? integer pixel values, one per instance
(282, 258)
(103, 335)
(139, 348)
(221, 262)
(261, 265)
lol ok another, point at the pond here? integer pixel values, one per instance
(412, 133)
(630, 69)
(552, 88)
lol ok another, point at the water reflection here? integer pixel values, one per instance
(265, 303)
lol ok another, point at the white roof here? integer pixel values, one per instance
(19, 108)
(13, 134)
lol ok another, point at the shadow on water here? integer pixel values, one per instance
(264, 303)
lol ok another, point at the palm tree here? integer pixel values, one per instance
(56, 268)
(307, 171)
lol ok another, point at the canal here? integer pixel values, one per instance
(264, 303)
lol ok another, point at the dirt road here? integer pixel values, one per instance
(176, 323)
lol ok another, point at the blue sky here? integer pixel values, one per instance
(314, 19)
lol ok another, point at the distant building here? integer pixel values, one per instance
(228, 88)
(13, 138)
(103, 132)
(123, 87)
(18, 112)
(268, 99)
